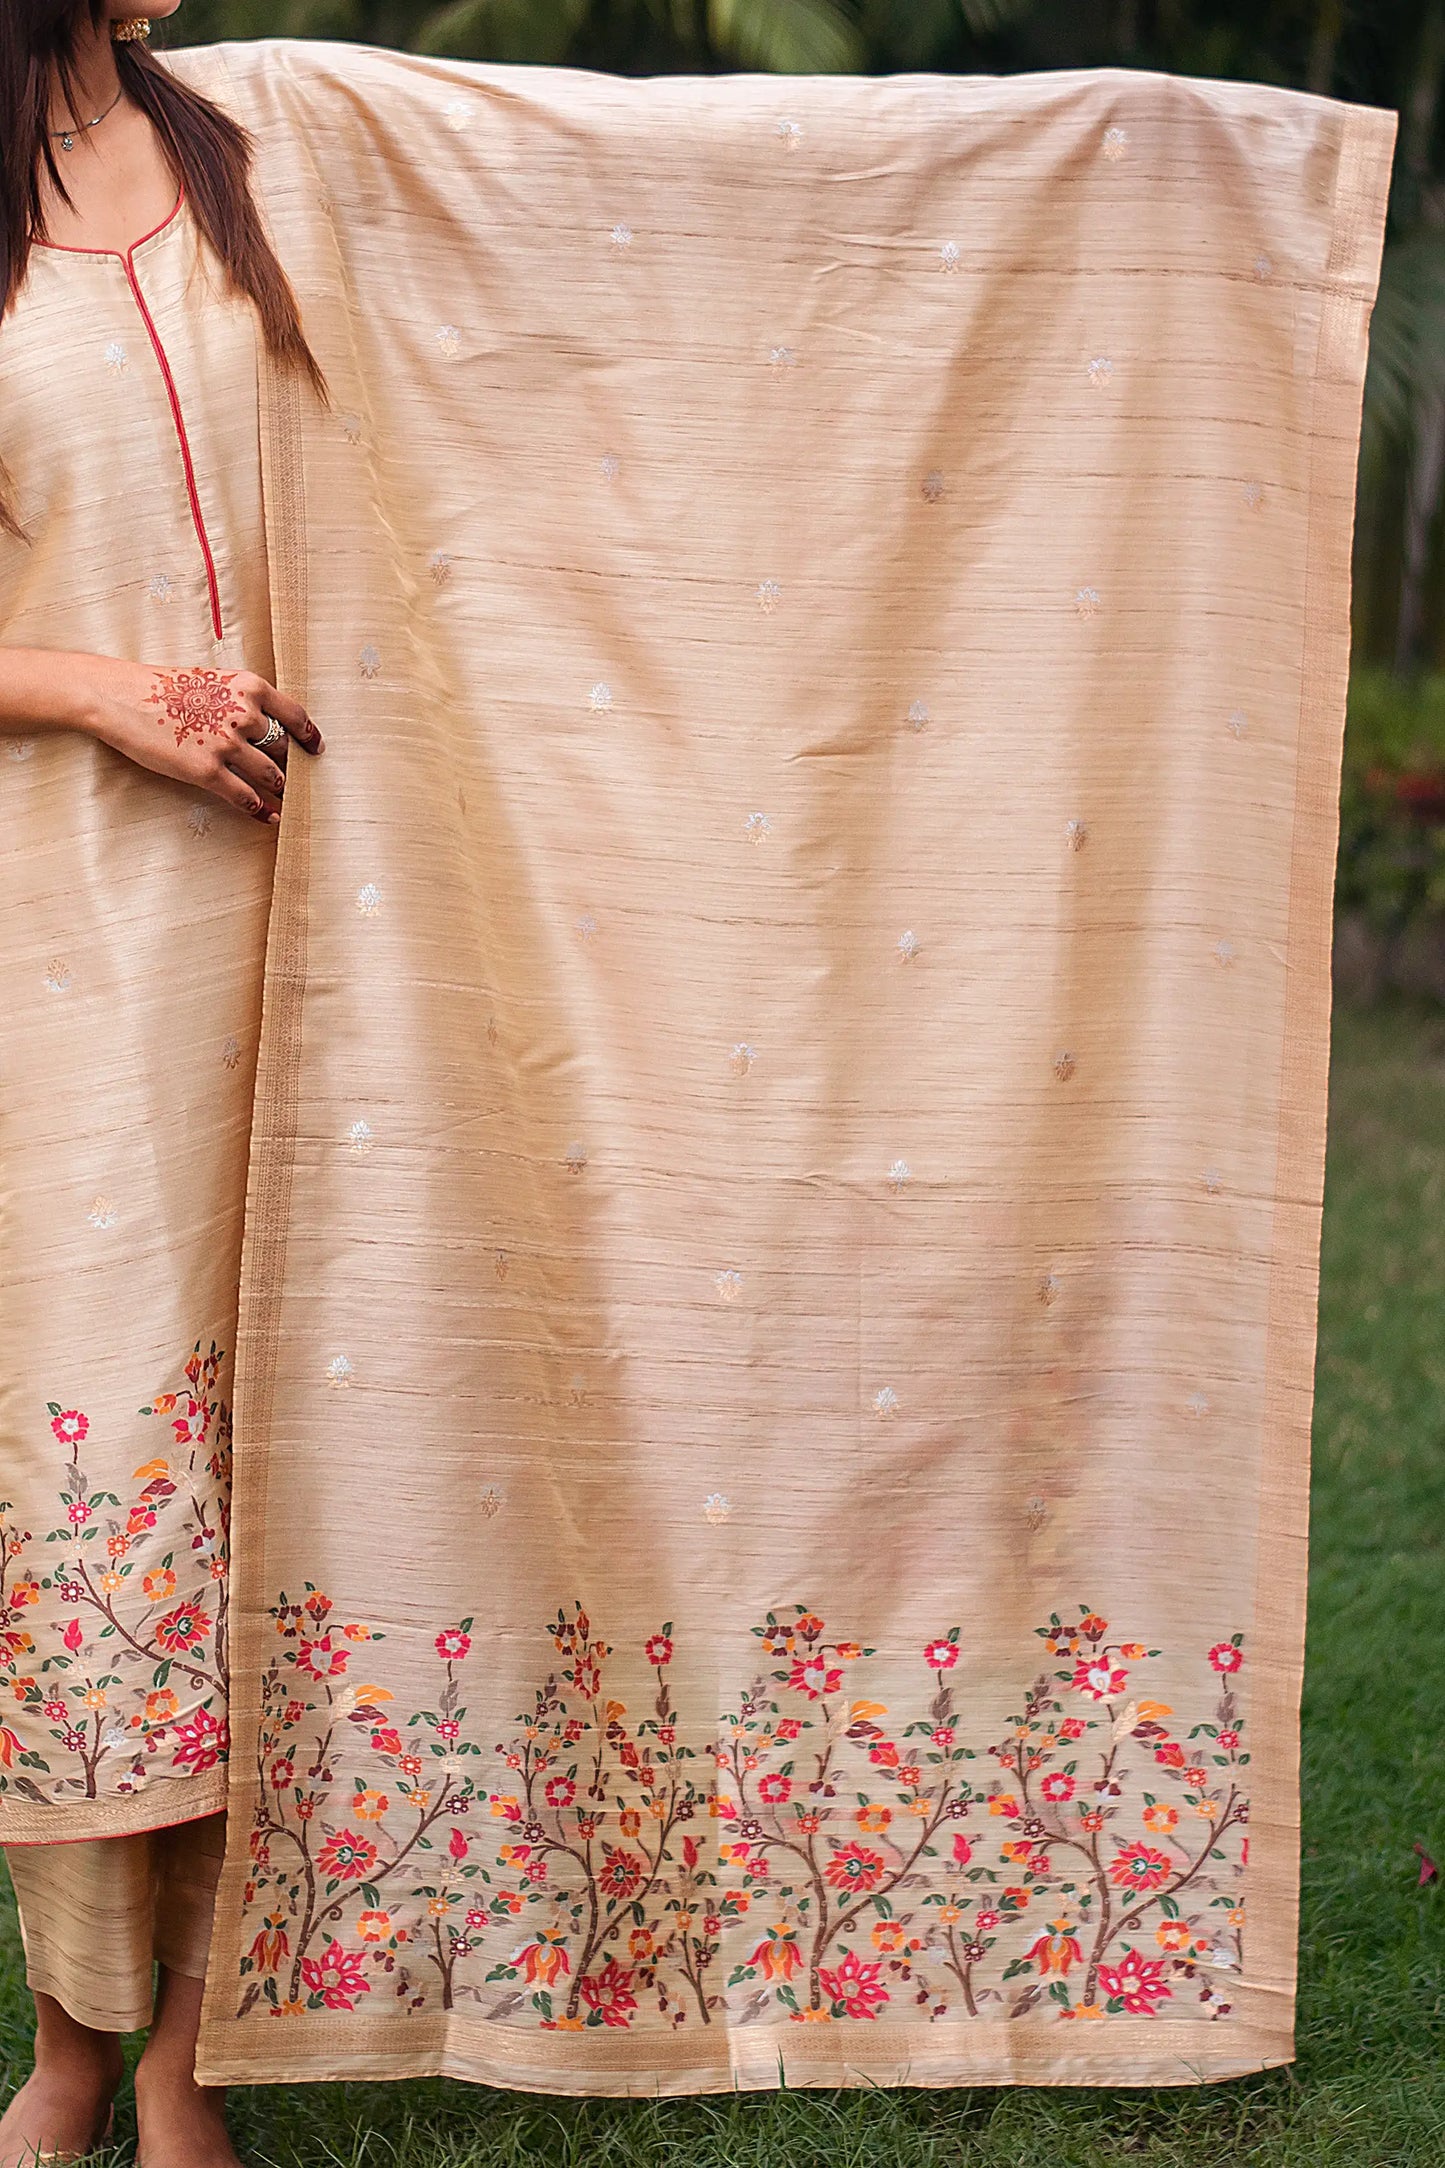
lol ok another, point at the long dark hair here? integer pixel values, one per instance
(208, 152)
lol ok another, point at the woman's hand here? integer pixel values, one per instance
(198, 724)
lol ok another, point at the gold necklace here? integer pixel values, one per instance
(66, 136)
(130, 29)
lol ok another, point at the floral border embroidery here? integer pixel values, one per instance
(139, 1677)
(818, 1861)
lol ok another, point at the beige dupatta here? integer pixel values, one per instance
(777, 1318)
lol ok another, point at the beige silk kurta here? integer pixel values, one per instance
(132, 929)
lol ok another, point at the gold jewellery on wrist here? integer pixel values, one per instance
(130, 29)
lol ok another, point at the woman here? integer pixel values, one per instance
(136, 282)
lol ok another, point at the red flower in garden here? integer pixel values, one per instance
(789, 1728)
(962, 1850)
(610, 1992)
(621, 1871)
(321, 1659)
(1170, 1755)
(1229, 1740)
(659, 1650)
(814, 1676)
(386, 1739)
(283, 1769)
(587, 1679)
(854, 1867)
(70, 1426)
(182, 1628)
(855, 1984)
(79, 1513)
(775, 1789)
(1139, 1867)
(560, 1792)
(1058, 1785)
(987, 1920)
(1225, 1656)
(203, 1741)
(1138, 1982)
(1099, 1677)
(349, 1857)
(941, 1655)
(336, 1976)
(1058, 1949)
(1073, 1727)
(453, 1644)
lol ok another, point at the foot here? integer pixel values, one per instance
(179, 2124)
(62, 2111)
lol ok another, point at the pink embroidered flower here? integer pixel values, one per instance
(659, 1650)
(1226, 1656)
(857, 1985)
(609, 1993)
(1139, 1867)
(182, 1628)
(322, 1659)
(855, 1867)
(1138, 1982)
(775, 1789)
(941, 1655)
(559, 1792)
(349, 1857)
(1099, 1677)
(203, 1742)
(71, 1426)
(453, 1644)
(337, 1976)
(1057, 1786)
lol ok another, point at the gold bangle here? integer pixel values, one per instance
(130, 29)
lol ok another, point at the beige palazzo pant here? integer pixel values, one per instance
(97, 1916)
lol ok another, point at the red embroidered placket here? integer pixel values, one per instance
(213, 589)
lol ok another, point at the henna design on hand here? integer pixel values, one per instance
(196, 701)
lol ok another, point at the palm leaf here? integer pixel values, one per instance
(537, 31)
(1407, 332)
(784, 37)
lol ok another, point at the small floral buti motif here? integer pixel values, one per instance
(769, 595)
(574, 1159)
(716, 1509)
(1253, 494)
(449, 341)
(611, 466)
(1197, 1405)
(161, 587)
(1076, 834)
(1048, 1289)
(885, 1402)
(134, 1684)
(456, 114)
(950, 255)
(22, 749)
(339, 1370)
(918, 716)
(1237, 723)
(729, 1285)
(57, 975)
(103, 1213)
(791, 133)
(908, 945)
(1065, 1064)
(368, 662)
(1224, 953)
(231, 1051)
(490, 1502)
(200, 820)
(781, 359)
(1213, 1181)
(351, 428)
(621, 236)
(360, 1138)
(368, 899)
(821, 1858)
(599, 700)
(1263, 267)
(742, 1057)
(757, 827)
(439, 565)
(1086, 601)
(900, 1174)
(1115, 144)
(115, 358)
(932, 488)
(1101, 370)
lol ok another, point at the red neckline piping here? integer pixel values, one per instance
(121, 255)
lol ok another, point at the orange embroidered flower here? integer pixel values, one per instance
(159, 1584)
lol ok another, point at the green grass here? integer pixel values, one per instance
(1368, 2090)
